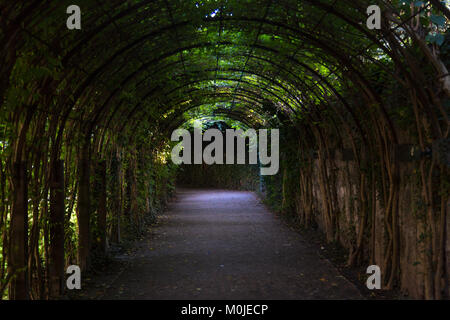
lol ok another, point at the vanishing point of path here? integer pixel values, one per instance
(218, 244)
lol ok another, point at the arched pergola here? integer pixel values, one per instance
(114, 91)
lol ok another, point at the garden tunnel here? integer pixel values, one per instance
(87, 115)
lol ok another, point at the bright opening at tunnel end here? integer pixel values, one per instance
(258, 148)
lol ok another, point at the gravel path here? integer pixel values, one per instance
(219, 244)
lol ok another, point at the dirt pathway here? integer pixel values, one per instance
(217, 244)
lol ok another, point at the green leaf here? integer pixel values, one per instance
(438, 20)
(431, 38)
(440, 39)
(435, 38)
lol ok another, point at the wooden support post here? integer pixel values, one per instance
(18, 246)
(347, 155)
(84, 209)
(101, 210)
(57, 213)
(116, 197)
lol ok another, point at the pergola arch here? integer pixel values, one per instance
(114, 90)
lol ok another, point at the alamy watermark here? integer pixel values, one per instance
(213, 153)
(74, 280)
(374, 280)
(74, 20)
